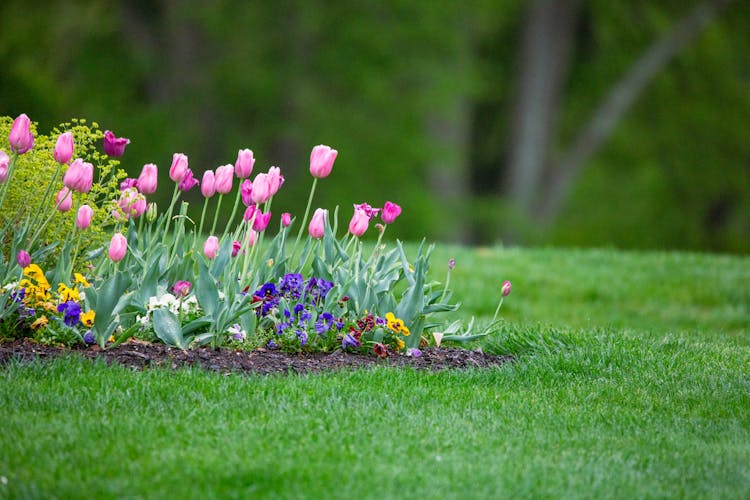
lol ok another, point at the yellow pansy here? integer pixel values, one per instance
(400, 343)
(67, 294)
(87, 318)
(39, 322)
(396, 324)
(79, 279)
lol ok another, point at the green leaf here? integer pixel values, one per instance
(206, 291)
(167, 328)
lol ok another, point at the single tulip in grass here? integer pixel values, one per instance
(504, 292)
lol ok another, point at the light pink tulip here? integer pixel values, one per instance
(317, 227)
(208, 184)
(321, 161)
(224, 178)
(148, 179)
(275, 179)
(21, 139)
(211, 247)
(179, 168)
(252, 237)
(132, 203)
(79, 176)
(261, 192)
(84, 216)
(4, 163)
(64, 199)
(390, 212)
(359, 223)
(244, 165)
(64, 148)
(118, 247)
(286, 219)
(506, 288)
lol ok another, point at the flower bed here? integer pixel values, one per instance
(120, 268)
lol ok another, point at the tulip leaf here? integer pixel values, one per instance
(167, 328)
(206, 291)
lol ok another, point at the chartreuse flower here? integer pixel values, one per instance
(396, 325)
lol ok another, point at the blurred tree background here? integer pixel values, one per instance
(569, 122)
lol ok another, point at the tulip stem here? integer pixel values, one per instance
(234, 211)
(216, 215)
(45, 198)
(175, 194)
(11, 168)
(497, 311)
(304, 219)
(203, 216)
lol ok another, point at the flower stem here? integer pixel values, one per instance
(234, 211)
(497, 311)
(11, 168)
(216, 215)
(304, 219)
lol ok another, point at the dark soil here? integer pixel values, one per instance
(139, 355)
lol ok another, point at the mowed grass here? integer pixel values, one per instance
(633, 380)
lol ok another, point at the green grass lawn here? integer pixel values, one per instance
(633, 380)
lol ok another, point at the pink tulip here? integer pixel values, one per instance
(114, 146)
(148, 179)
(182, 288)
(4, 163)
(286, 219)
(321, 161)
(261, 221)
(261, 192)
(359, 223)
(252, 237)
(23, 258)
(179, 168)
(224, 178)
(275, 179)
(236, 245)
(246, 189)
(64, 200)
(211, 247)
(188, 182)
(132, 203)
(84, 216)
(317, 227)
(506, 288)
(371, 212)
(79, 176)
(390, 212)
(244, 165)
(118, 247)
(250, 212)
(128, 183)
(21, 139)
(64, 148)
(208, 184)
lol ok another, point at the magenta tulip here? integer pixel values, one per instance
(118, 247)
(371, 212)
(211, 247)
(114, 146)
(246, 189)
(224, 178)
(208, 184)
(179, 168)
(286, 219)
(261, 192)
(390, 212)
(359, 223)
(84, 216)
(64, 148)
(4, 163)
(250, 212)
(321, 161)
(21, 139)
(188, 182)
(244, 165)
(506, 288)
(317, 227)
(64, 199)
(261, 221)
(236, 245)
(23, 258)
(181, 288)
(148, 179)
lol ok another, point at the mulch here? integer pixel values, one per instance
(139, 355)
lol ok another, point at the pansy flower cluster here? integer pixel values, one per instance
(382, 336)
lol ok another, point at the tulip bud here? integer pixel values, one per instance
(236, 245)
(21, 139)
(261, 221)
(261, 192)
(151, 212)
(148, 179)
(451, 263)
(83, 218)
(275, 179)
(64, 200)
(211, 247)
(64, 148)
(244, 165)
(250, 212)
(318, 223)
(224, 177)
(4, 163)
(179, 168)
(208, 184)
(359, 223)
(321, 161)
(506, 288)
(114, 146)
(181, 288)
(118, 247)
(286, 219)
(390, 212)
(246, 189)
(23, 258)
